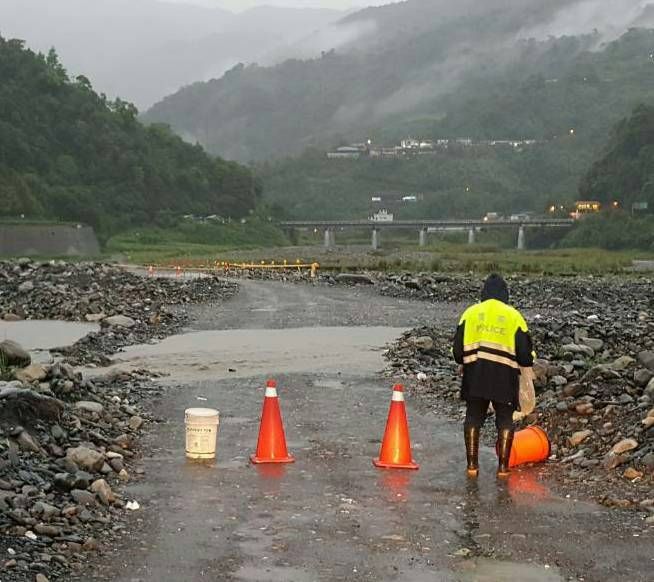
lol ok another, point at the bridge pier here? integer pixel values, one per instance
(375, 239)
(330, 239)
(522, 243)
(422, 240)
(471, 236)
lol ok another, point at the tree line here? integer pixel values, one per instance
(70, 154)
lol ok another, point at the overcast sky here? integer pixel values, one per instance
(239, 5)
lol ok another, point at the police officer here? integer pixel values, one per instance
(491, 343)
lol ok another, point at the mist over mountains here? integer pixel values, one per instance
(392, 64)
(142, 50)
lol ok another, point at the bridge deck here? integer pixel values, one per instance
(545, 222)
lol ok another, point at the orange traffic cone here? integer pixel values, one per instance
(271, 447)
(395, 451)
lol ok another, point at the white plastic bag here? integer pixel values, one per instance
(527, 394)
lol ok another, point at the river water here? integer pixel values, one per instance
(45, 334)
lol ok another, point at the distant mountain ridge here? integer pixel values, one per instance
(142, 50)
(407, 62)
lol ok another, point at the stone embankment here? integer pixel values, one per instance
(69, 444)
(130, 309)
(594, 375)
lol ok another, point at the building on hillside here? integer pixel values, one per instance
(381, 215)
(410, 144)
(388, 204)
(345, 152)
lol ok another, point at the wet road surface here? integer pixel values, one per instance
(331, 515)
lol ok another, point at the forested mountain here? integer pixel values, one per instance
(70, 154)
(142, 50)
(394, 64)
(626, 171)
(569, 104)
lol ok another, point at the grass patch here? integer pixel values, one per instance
(193, 242)
(486, 259)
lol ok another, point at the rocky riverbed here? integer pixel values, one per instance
(69, 444)
(594, 374)
(130, 309)
(67, 447)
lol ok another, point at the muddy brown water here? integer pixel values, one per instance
(38, 335)
(331, 515)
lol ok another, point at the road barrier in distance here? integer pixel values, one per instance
(178, 270)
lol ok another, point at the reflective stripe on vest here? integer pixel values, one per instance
(489, 333)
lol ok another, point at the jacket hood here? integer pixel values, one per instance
(495, 288)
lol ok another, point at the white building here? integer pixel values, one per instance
(382, 215)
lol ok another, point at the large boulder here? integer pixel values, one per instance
(649, 389)
(92, 407)
(579, 349)
(646, 358)
(622, 363)
(595, 344)
(26, 287)
(103, 491)
(86, 458)
(424, 343)
(12, 354)
(624, 446)
(32, 373)
(119, 321)
(643, 376)
(24, 405)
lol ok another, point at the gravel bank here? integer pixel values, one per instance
(595, 374)
(68, 445)
(130, 309)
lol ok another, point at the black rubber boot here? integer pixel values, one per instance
(471, 435)
(504, 444)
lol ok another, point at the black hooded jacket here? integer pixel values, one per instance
(492, 342)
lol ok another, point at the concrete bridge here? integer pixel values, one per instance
(425, 226)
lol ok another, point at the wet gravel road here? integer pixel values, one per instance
(332, 515)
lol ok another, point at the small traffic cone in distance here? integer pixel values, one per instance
(271, 447)
(395, 450)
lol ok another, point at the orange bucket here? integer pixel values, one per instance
(530, 445)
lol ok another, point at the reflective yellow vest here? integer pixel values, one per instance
(489, 333)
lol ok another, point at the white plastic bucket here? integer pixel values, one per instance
(201, 432)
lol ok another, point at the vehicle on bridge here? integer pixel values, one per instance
(584, 208)
(521, 217)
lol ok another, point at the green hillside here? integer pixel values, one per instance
(626, 171)
(68, 153)
(554, 88)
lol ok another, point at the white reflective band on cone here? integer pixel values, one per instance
(398, 396)
(271, 392)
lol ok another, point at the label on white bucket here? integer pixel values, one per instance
(201, 432)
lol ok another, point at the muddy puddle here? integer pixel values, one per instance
(246, 353)
(39, 336)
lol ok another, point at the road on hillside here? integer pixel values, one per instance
(331, 515)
